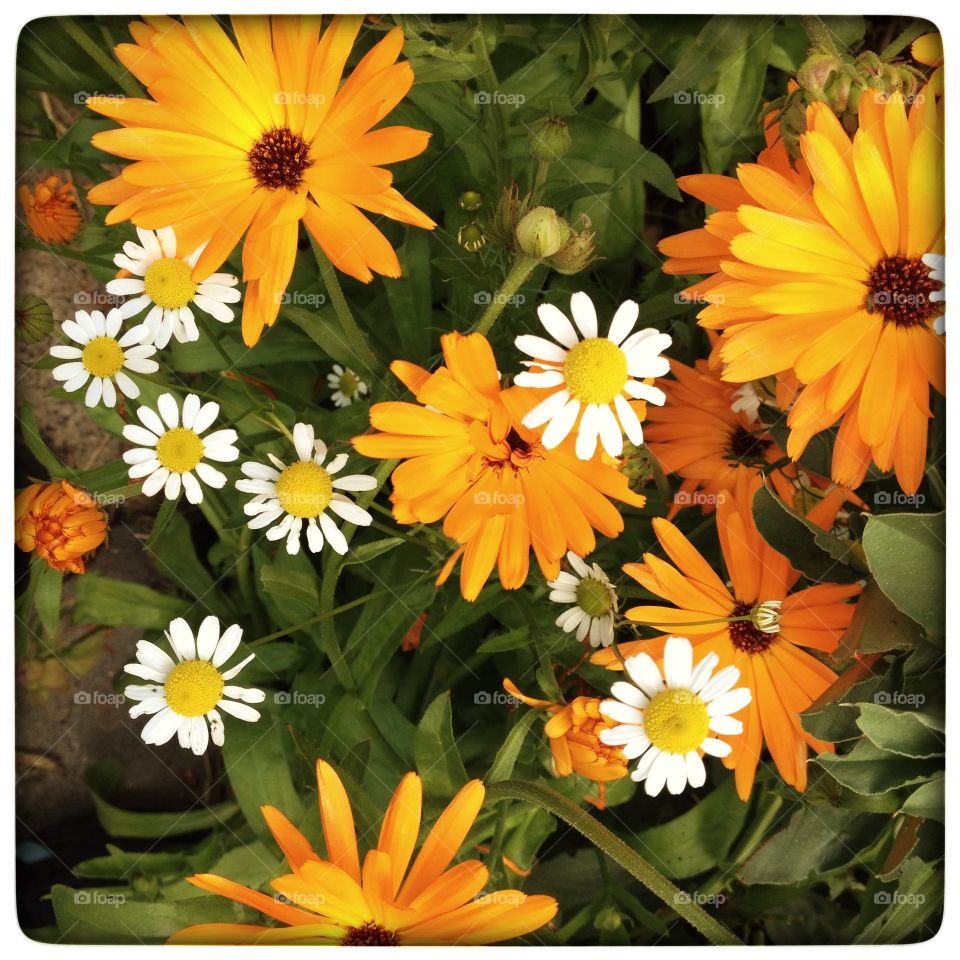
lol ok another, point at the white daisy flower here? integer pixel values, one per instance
(347, 387)
(936, 264)
(593, 599)
(171, 449)
(182, 697)
(101, 357)
(666, 721)
(596, 375)
(303, 490)
(163, 279)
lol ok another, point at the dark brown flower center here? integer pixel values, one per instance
(279, 159)
(745, 445)
(370, 935)
(746, 636)
(899, 290)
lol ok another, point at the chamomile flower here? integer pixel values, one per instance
(595, 377)
(347, 387)
(162, 280)
(306, 490)
(172, 451)
(666, 721)
(591, 600)
(184, 696)
(102, 357)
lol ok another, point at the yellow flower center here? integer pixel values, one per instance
(595, 370)
(102, 357)
(179, 450)
(304, 489)
(593, 597)
(193, 688)
(676, 721)
(168, 283)
(349, 384)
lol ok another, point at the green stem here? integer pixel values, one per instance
(489, 78)
(106, 63)
(539, 180)
(607, 841)
(494, 857)
(359, 346)
(820, 35)
(319, 618)
(522, 268)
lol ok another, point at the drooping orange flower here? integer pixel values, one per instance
(708, 432)
(765, 642)
(60, 523)
(574, 733)
(251, 135)
(51, 210)
(470, 460)
(386, 902)
(833, 272)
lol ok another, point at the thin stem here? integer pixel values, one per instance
(522, 268)
(319, 618)
(358, 341)
(106, 63)
(539, 180)
(608, 842)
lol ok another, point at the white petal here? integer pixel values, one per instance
(696, 771)
(560, 426)
(155, 481)
(584, 314)
(168, 410)
(210, 476)
(623, 321)
(644, 673)
(151, 421)
(332, 534)
(303, 440)
(208, 636)
(611, 435)
(557, 325)
(171, 489)
(677, 774)
(228, 644)
(94, 392)
(726, 726)
(588, 431)
(629, 421)
(678, 662)
(191, 406)
(628, 693)
(729, 703)
(139, 435)
(349, 511)
(355, 482)
(716, 748)
(547, 409)
(160, 728)
(191, 487)
(657, 776)
(181, 639)
(621, 712)
(720, 683)
(539, 348)
(239, 710)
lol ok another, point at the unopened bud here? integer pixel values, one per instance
(33, 319)
(578, 252)
(549, 138)
(471, 237)
(470, 200)
(542, 232)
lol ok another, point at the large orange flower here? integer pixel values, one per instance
(833, 271)
(253, 136)
(51, 210)
(765, 641)
(386, 902)
(470, 460)
(60, 523)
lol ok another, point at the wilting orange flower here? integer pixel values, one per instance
(708, 432)
(470, 460)
(60, 523)
(251, 135)
(51, 210)
(766, 646)
(574, 733)
(833, 271)
(387, 902)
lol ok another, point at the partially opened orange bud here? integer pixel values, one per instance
(51, 210)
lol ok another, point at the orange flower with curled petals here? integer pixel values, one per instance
(60, 523)
(574, 733)
(394, 898)
(51, 210)
(469, 460)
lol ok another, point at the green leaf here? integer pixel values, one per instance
(878, 626)
(118, 603)
(435, 750)
(906, 555)
(164, 515)
(927, 801)
(900, 732)
(918, 895)
(35, 443)
(868, 769)
(369, 551)
(506, 758)
(46, 597)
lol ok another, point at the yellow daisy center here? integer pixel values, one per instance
(595, 370)
(304, 489)
(168, 283)
(193, 688)
(349, 384)
(676, 721)
(593, 597)
(179, 450)
(102, 357)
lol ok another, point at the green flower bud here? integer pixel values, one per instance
(549, 138)
(33, 319)
(470, 200)
(816, 73)
(471, 237)
(542, 232)
(578, 252)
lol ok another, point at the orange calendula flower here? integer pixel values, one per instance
(60, 523)
(51, 210)
(470, 461)
(834, 272)
(574, 733)
(389, 901)
(756, 625)
(253, 134)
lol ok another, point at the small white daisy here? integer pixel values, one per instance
(936, 263)
(163, 279)
(594, 601)
(666, 721)
(171, 448)
(303, 490)
(184, 696)
(102, 357)
(347, 387)
(596, 375)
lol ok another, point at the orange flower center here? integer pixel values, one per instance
(370, 934)
(899, 290)
(279, 158)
